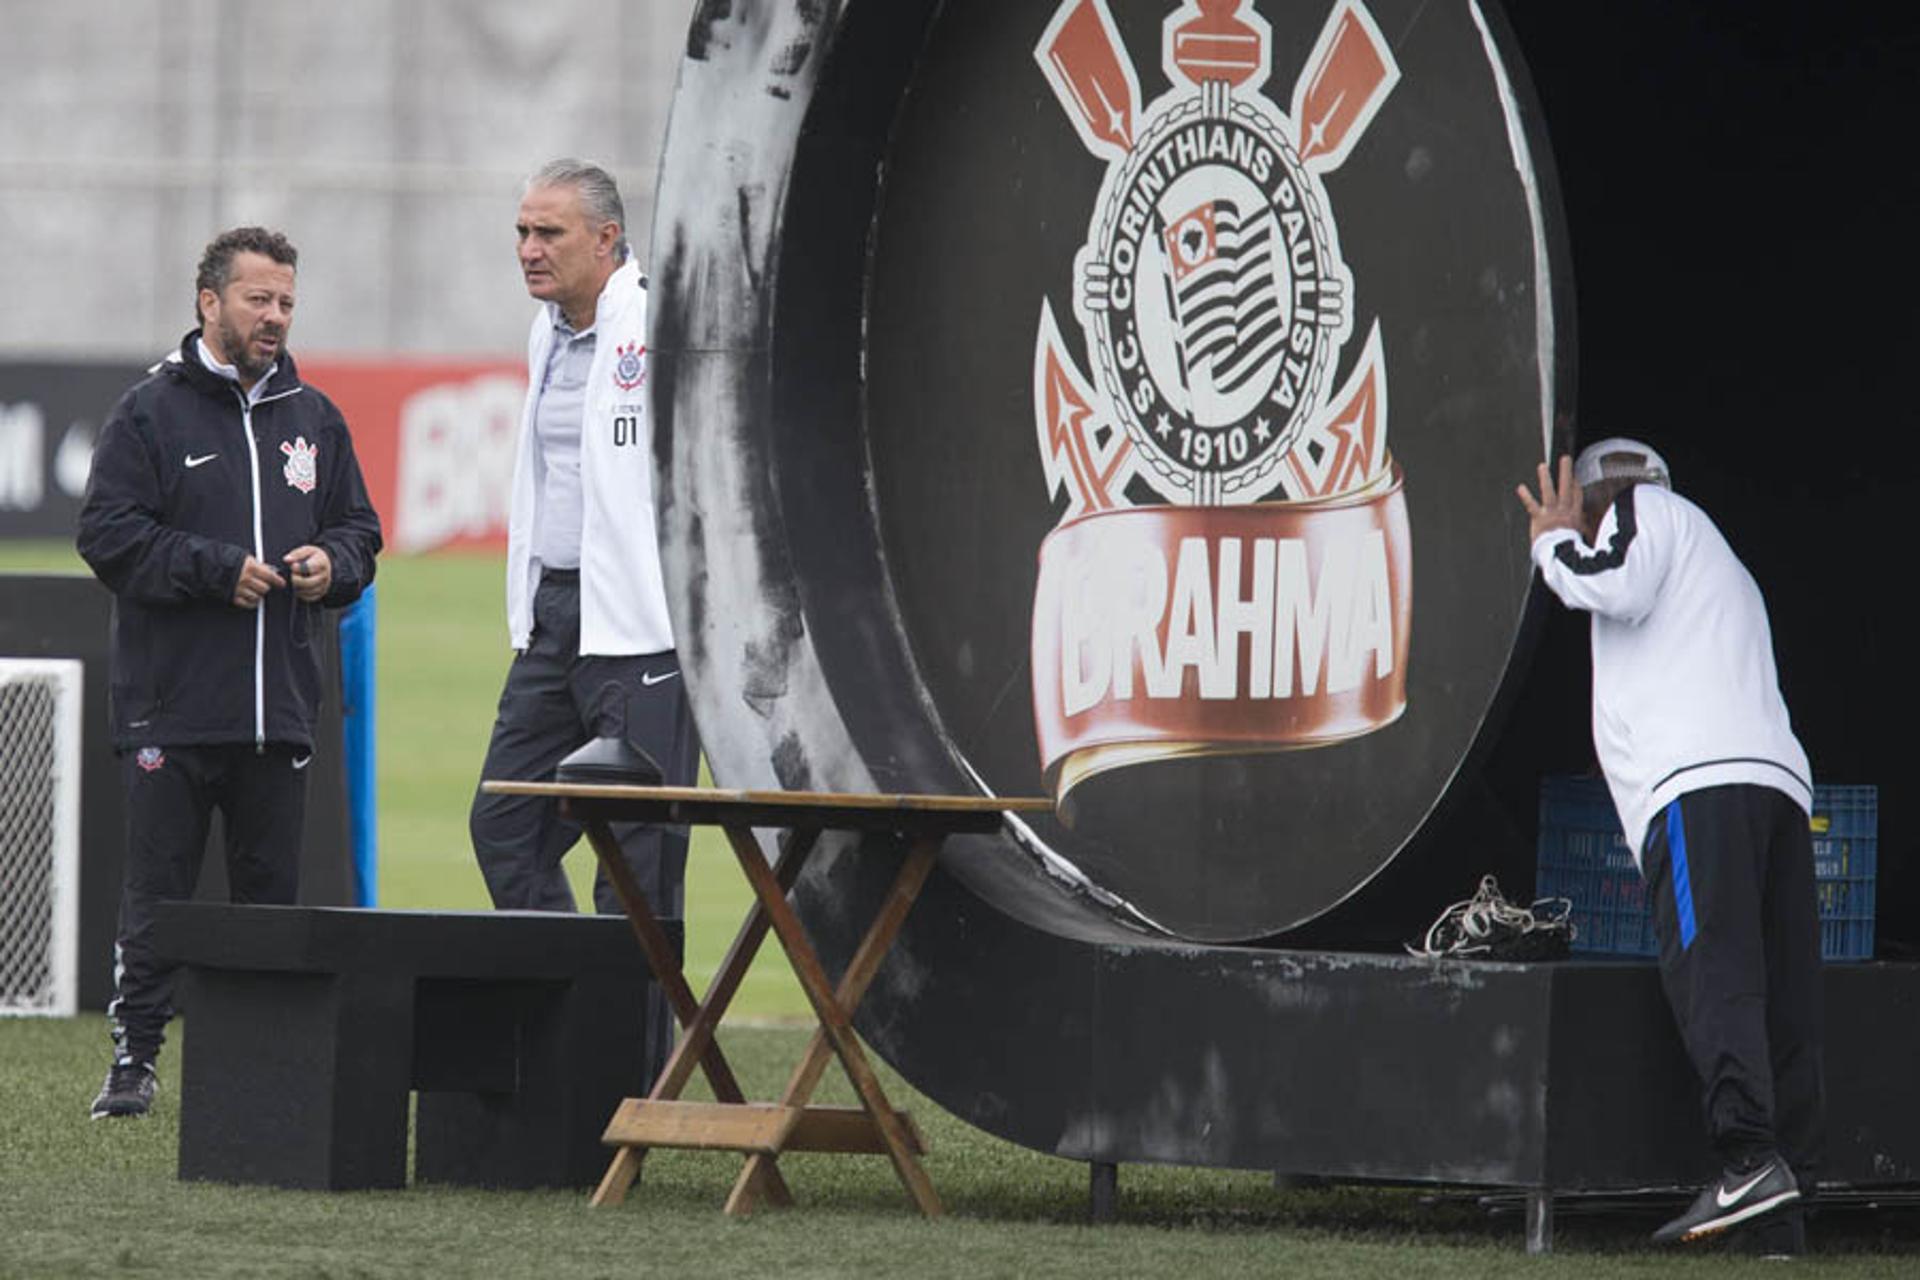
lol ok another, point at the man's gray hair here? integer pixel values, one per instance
(599, 193)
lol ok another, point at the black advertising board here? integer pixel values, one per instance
(1146, 386)
(1240, 322)
(49, 414)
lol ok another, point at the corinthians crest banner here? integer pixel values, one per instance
(1200, 345)
(1263, 599)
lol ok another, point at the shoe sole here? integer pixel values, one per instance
(1714, 1226)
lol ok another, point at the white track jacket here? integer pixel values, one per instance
(1685, 693)
(623, 601)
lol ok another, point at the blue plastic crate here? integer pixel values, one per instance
(1583, 857)
(1846, 856)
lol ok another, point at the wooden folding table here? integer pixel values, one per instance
(763, 1131)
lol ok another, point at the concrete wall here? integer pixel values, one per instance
(387, 138)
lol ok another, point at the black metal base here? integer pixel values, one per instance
(520, 1031)
(1103, 1191)
(1560, 1077)
(1547, 1081)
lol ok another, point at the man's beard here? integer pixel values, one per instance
(239, 353)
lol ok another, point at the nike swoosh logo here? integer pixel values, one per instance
(1729, 1199)
(648, 679)
(201, 460)
(303, 762)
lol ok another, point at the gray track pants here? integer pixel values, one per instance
(554, 702)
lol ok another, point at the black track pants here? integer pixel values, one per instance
(1731, 869)
(554, 702)
(172, 793)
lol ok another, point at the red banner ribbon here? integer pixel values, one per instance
(1170, 631)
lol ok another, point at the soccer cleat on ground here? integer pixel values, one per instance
(1736, 1198)
(128, 1090)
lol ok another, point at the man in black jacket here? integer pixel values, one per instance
(225, 508)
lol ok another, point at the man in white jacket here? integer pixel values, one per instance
(1714, 793)
(594, 665)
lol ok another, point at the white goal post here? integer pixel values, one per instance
(39, 836)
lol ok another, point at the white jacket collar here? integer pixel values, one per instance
(625, 278)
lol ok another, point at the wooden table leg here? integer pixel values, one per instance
(794, 851)
(699, 1045)
(834, 1010)
(732, 971)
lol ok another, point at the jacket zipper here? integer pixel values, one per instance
(259, 553)
(260, 610)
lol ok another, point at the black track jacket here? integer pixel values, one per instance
(187, 481)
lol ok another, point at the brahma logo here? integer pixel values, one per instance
(149, 759)
(1263, 602)
(302, 469)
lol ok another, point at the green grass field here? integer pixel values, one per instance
(84, 1199)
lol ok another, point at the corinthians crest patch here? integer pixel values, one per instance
(1233, 569)
(629, 366)
(302, 469)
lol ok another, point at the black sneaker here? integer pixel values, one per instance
(1736, 1198)
(128, 1090)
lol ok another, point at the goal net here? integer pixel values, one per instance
(39, 835)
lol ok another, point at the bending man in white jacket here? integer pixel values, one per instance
(1714, 793)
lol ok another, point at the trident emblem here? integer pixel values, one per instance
(1211, 287)
(1232, 571)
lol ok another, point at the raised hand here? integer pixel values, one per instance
(1558, 506)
